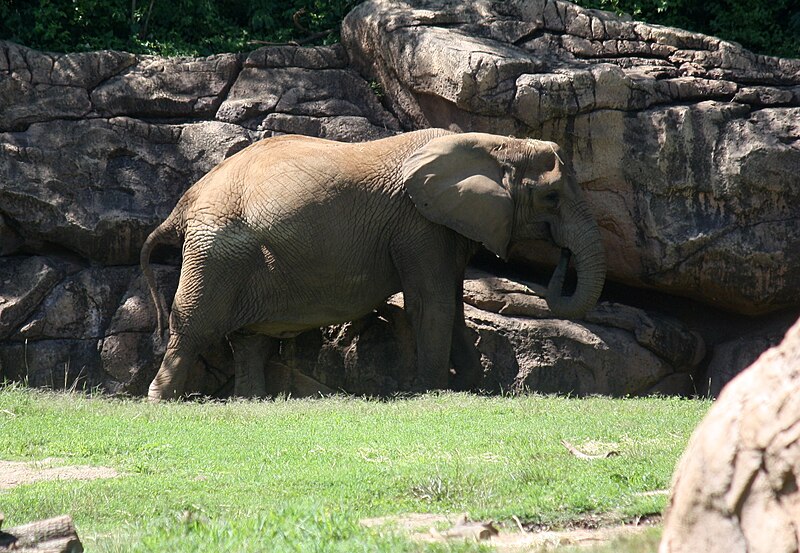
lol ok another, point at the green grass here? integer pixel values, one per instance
(298, 475)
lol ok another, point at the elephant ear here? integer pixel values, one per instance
(455, 181)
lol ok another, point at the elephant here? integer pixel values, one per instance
(294, 233)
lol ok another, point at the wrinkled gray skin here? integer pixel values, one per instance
(295, 233)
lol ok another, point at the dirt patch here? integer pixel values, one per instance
(15, 473)
(424, 527)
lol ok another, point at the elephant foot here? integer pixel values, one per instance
(155, 396)
(157, 393)
(467, 378)
(429, 384)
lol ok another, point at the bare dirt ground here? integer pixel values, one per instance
(15, 473)
(424, 527)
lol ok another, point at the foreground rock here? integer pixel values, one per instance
(735, 490)
(54, 535)
(687, 145)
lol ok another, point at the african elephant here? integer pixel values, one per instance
(294, 233)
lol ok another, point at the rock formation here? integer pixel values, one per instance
(735, 489)
(688, 147)
(94, 175)
(618, 350)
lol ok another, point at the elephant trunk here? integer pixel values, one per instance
(579, 237)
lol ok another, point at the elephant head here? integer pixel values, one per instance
(497, 190)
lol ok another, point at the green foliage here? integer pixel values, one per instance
(771, 27)
(202, 27)
(298, 475)
(169, 27)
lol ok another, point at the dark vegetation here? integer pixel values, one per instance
(769, 27)
(170, 27)
(203, 27)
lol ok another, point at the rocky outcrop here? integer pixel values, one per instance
(94, 175)
(688, 146)
(618, 350)
(731, 357)
(735, 489)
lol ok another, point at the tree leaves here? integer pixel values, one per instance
(771, 28)
(175, 27)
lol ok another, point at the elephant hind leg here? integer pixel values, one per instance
(191, 332)
(250, 355)
(204, 310)
(170, 380)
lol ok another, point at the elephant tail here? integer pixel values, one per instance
(168, 232)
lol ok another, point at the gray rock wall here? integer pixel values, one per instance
(689, 148)
(97, 147)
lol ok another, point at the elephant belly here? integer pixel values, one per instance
(279, 329)
(313, 303)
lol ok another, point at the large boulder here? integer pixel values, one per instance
(687, 145)
(736, 488)
(305, 91)
(37, 86)
(97, 187)
(167, 87)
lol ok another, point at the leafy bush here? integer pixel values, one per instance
(169, 27)
(202, 27)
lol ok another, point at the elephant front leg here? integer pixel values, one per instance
(463, 353)
(465, 358)
(250, 355)
(432, 320)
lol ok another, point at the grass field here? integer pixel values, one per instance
(299, 475)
